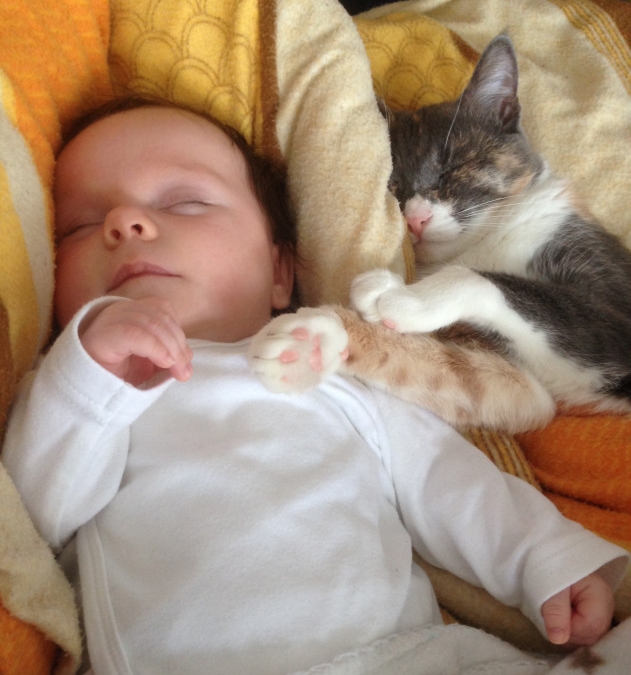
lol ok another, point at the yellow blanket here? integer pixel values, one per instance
(295, 78)
(53, 65)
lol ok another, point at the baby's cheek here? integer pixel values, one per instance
(74, 285)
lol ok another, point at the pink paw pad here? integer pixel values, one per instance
(301, 334)
(389, 323)
(289, 356)
(315, 358)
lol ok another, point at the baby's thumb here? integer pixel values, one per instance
(557, 617)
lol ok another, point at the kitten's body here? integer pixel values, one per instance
(502, 246)
(454, 377)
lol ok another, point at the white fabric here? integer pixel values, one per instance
(225, 529)
(436, 650)
(461, 650)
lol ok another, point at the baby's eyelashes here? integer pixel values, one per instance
(75, 231)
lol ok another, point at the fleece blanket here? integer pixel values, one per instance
(297, 79)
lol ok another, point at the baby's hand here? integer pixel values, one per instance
(295, 352)
(137, 338)
(580, 614)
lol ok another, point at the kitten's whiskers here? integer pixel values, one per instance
(453, 121)
(480, 206)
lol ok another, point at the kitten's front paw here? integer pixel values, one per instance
(451, 294)
(369, 288)
(295, 352)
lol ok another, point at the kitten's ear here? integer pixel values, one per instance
(383, 109)
(492, 89)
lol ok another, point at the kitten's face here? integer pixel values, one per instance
(456, 165)
(453, 180)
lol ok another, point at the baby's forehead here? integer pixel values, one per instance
(146, 136)
(138, 123)
(136, 155)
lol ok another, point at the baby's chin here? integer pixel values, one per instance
(223, 331)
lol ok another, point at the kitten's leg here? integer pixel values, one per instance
(438, 300)
(466, 386)
(295, 352)
(458, 294)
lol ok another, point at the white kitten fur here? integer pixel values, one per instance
(457, 293)
(295, 352)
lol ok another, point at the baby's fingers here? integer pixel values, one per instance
(557, 616)
(168, 334)
(593, 605)
(128, 334)
(580, 614)
(157, 336)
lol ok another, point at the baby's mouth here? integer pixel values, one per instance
(137, 269)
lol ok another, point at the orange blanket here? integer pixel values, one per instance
(583, 464)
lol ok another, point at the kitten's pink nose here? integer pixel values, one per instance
(417, 216)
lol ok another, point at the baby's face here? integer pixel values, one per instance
(157, 202)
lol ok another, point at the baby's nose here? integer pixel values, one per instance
(128, 222)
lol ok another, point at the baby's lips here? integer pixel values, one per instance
(136, 269)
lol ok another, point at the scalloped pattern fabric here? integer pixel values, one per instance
(203, 53)
(415, 61)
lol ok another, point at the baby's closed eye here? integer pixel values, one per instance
(74, 231)
(188, 207)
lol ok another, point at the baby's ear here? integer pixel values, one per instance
(284, 274)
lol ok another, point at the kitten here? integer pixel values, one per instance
(501, 246)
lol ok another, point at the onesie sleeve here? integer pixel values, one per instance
(487, 527)
(68, 435)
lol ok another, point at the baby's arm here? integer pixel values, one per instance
(580, 614)
(495, 530)
(134, 339)
(67, 438)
